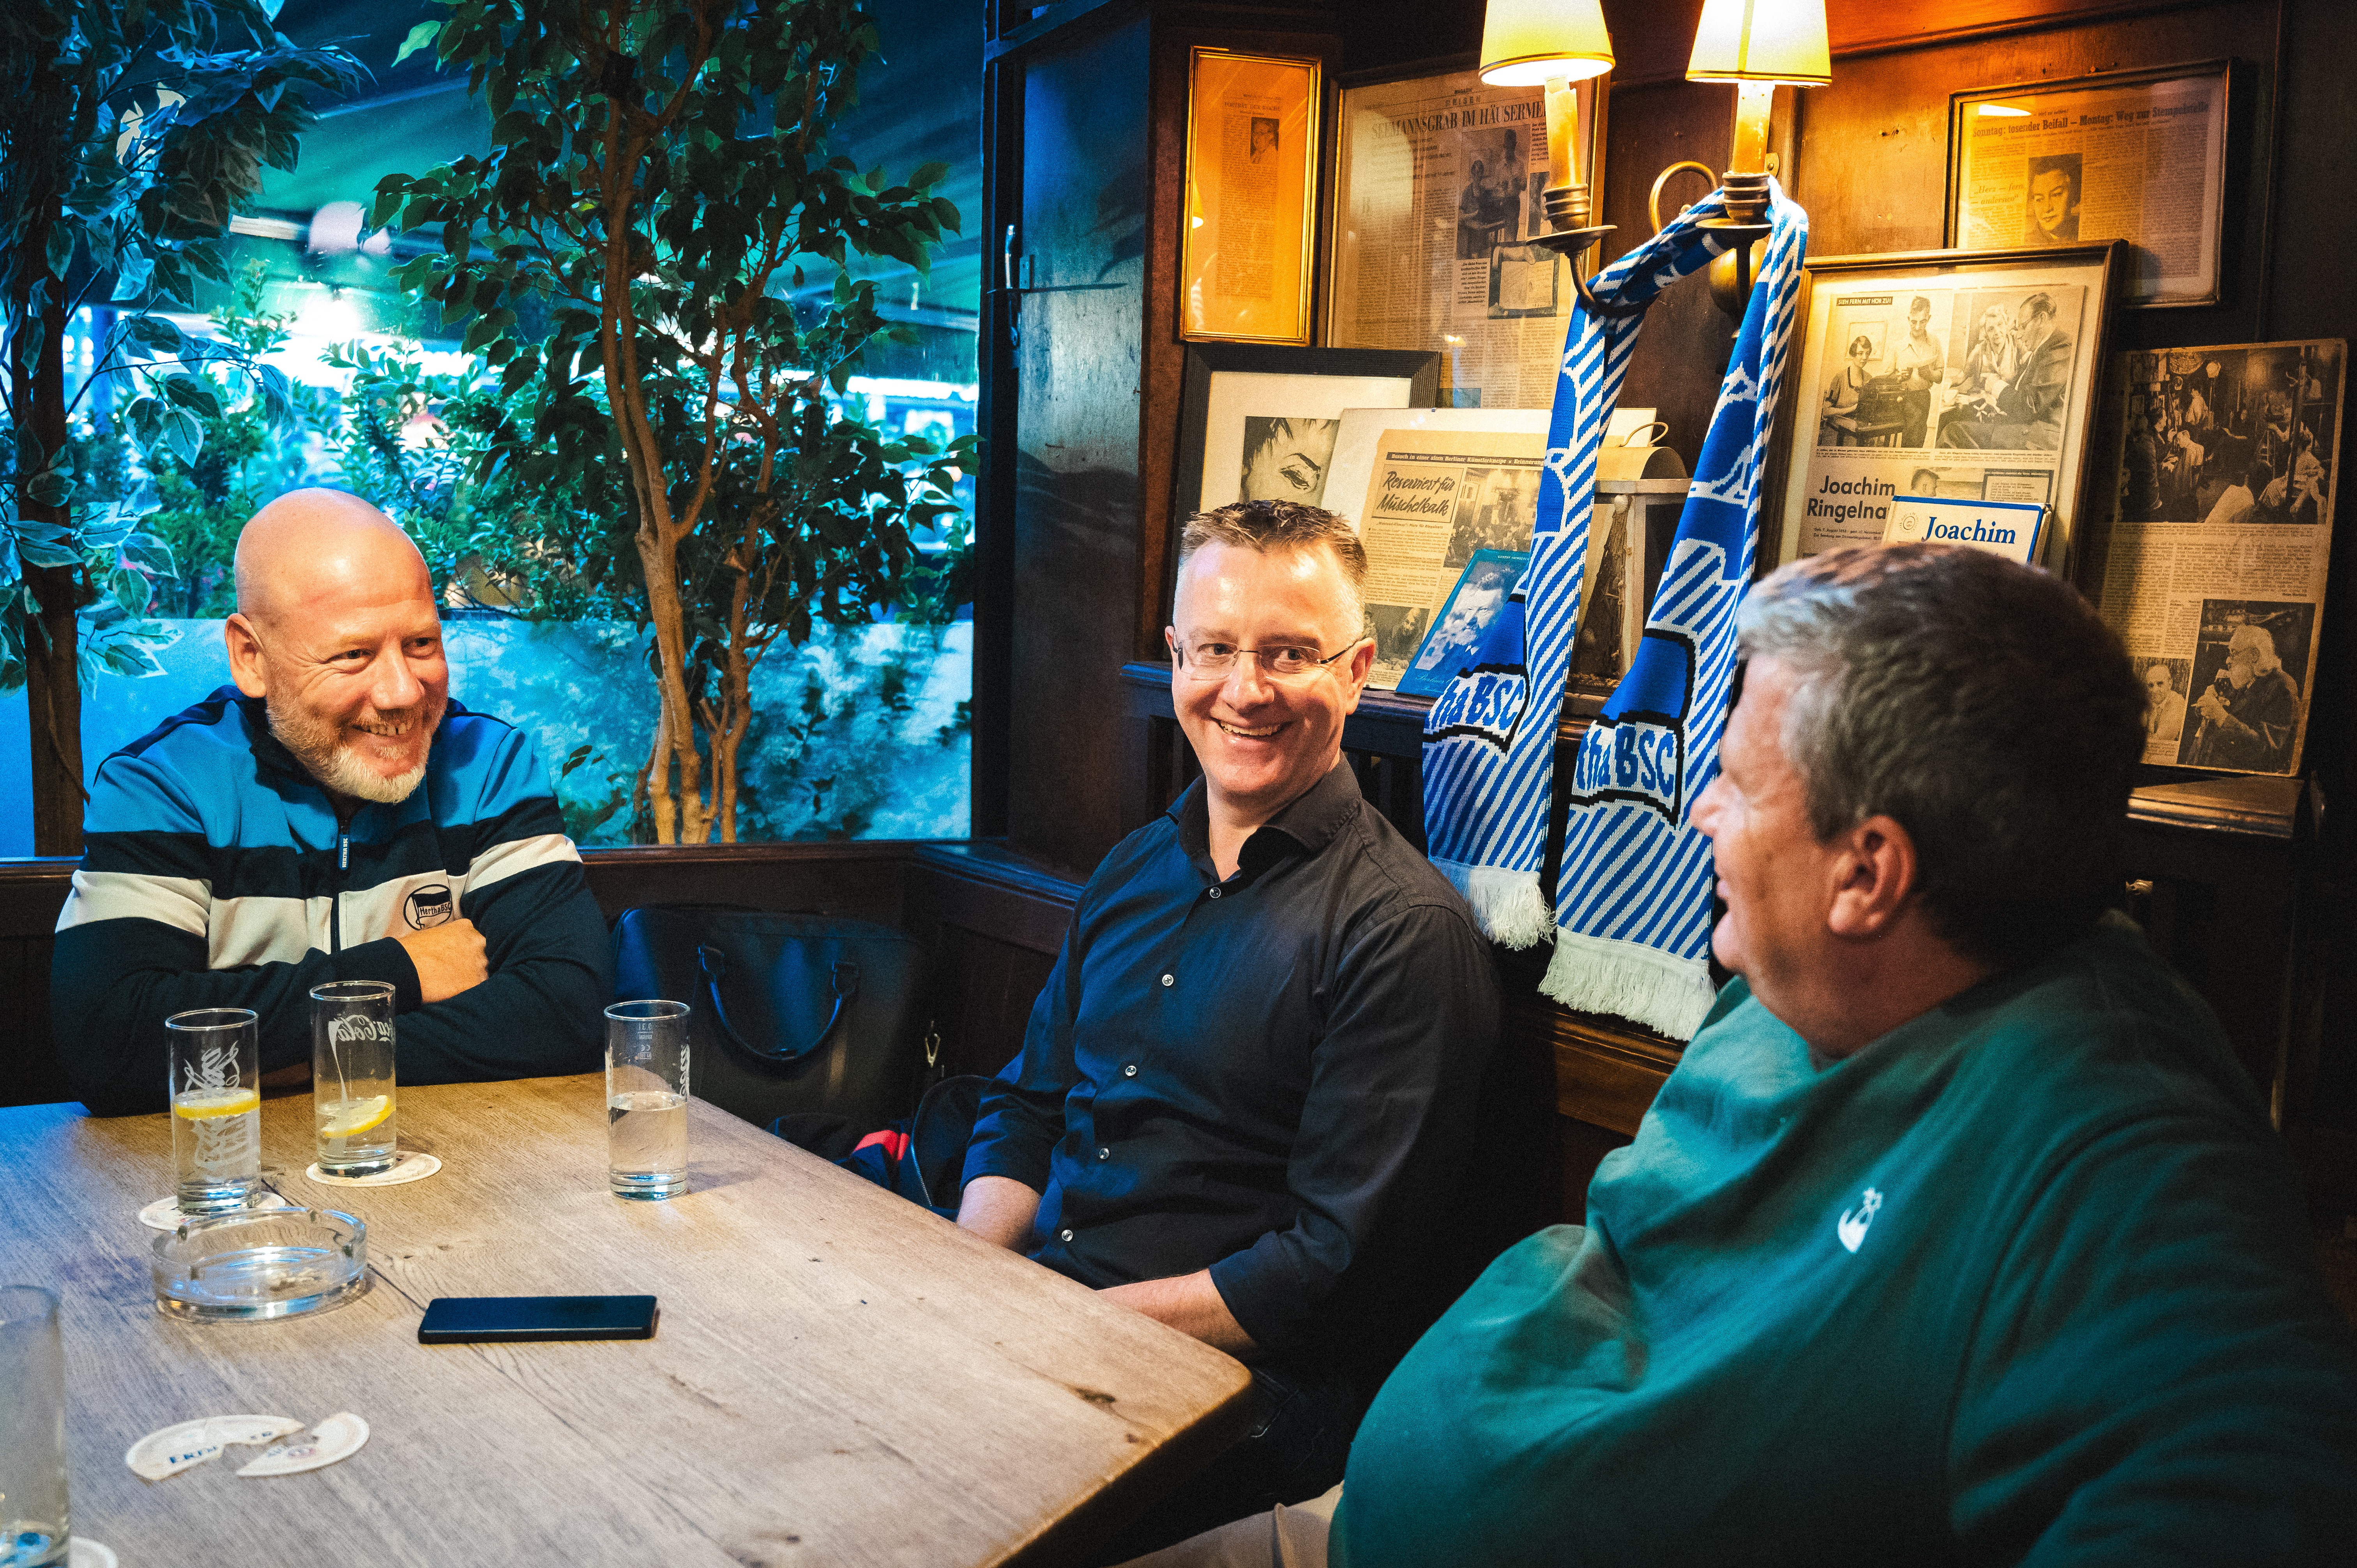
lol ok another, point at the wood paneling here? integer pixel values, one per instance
(1086, 189)
(32, 891)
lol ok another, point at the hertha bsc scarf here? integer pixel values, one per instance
(1632, 916)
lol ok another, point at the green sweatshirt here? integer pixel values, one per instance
(2026, 1279)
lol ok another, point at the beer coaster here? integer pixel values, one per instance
(83, 1552)
(164, 1214)
(338, 1437)
(166, 1453)
(407, 1165)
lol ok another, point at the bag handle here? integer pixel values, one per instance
(845, 978)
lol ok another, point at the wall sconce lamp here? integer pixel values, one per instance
(1561, 44)
(1756, 45)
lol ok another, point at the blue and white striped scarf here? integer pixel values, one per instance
(1632, 916)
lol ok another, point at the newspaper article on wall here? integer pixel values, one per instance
(2139, 156)
(1439, 186)
(1952, 383)
(2212, 564)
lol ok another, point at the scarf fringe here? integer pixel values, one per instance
(1630, 980)
(1507, 905)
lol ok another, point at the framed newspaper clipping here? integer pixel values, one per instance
(1251, 227)
(1957, 374)
(2138, 156)
(1437, 187)
(2210, 561)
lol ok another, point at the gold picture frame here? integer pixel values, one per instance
(1249, 235)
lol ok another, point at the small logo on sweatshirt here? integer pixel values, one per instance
(1851, 1227)
(429, 906)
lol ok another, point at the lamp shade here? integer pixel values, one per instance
(1526, 42)
(1762, 41)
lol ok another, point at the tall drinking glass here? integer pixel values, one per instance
(33, 1522)
(646, 1099)
(216, 1091)
(351, 1077)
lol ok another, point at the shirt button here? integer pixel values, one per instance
(1215, 892)
(1064, 1235)
(1169, 980)
(1129, 1069)
(1103, 1153)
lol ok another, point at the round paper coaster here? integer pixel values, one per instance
(164, 1214)
(83, 1552)
(407, 1165)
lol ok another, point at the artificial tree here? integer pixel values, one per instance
(133, 132)
(659, 184)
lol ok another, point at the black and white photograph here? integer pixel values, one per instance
(2164, 722)
(1492, 163)
(1397, 630)
(1472, 608)
(1493, 511)
(2246, 433)
(2011, 391)
(1285, 458)
(2053, 199)
(2246, 702)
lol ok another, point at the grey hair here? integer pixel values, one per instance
(2259, 640)
(1981, 705)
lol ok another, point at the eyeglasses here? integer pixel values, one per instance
(1213, 661)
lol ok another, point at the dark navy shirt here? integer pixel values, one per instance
(1273, 1077)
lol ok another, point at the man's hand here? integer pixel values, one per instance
(2212, 708)
(449, 959)
(999, 1210)
(1190, 1303)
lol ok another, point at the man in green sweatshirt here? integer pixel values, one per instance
(1957, 1236)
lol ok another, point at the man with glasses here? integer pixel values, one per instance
(1249, 1084)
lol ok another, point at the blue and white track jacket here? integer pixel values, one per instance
(214, 875)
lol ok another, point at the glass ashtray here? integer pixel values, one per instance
(254, 1264)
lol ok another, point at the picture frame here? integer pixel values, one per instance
(1979, 368)
(1228, 387)
(2138, 156)
(1449, 643)
(1425, 245)
(1248, 240)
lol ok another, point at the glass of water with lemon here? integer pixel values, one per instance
(351, 1077)
(216, 1095)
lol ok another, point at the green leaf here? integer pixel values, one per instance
(420, 37)
(149, 553)
(51, 487)
(130, 278)
(63, 238)
(186, 391)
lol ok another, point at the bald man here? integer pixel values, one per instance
(332, 816)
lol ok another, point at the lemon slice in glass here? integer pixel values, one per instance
(204, 1104)
(350, 1117)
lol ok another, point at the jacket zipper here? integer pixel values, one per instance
(336, 908)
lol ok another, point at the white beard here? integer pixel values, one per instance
(329, 758)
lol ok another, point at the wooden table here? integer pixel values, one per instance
(838, 1375)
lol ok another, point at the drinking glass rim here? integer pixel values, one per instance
(353, 991)
(51, 1297)
(658, 1009)
(224, 1018)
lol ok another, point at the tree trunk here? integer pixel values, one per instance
(52, 681)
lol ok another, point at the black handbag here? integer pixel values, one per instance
(791, 1013)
